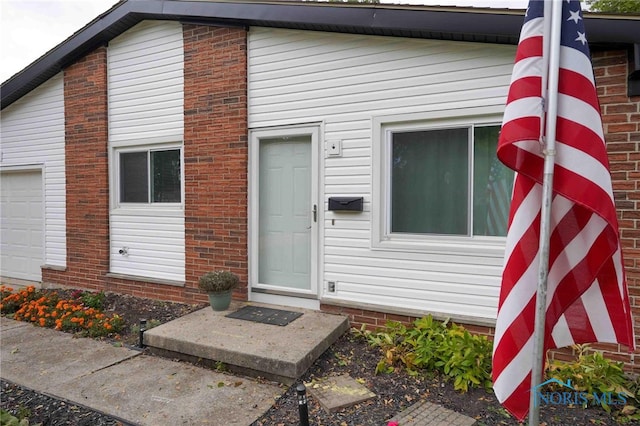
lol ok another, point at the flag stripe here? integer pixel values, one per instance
(581, 330)
(573, 109)
(518, 367)
(580, 88)
(529, 47)
(515, 336)
(519, 260)
(519, 399)
(525, 89)
(561, 333)
(571, 133)
(594, 301)
(621, 318)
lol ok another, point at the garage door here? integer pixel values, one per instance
(21, 225)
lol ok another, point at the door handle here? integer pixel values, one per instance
(315, 212)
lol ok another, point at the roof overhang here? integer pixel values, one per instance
(443, 23)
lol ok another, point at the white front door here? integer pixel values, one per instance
(284, 214)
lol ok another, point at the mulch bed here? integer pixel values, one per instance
(351, 355)
(398, 391)
(40, 408)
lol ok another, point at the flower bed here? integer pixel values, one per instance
(70, 315)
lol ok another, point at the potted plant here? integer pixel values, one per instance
(219, 285)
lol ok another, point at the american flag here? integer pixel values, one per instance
(587, 299)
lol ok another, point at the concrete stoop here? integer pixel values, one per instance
(281, 353)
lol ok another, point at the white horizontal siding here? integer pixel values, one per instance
(296, 75)
(32, 133)
(155, 246)
(146, 82)
(344, 81)
(146, 106)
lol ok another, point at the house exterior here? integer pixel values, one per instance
(285, 142)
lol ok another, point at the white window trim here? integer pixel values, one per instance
(144, 209)
(443, 244)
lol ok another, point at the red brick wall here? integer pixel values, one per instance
(373, 319)
(215, 152)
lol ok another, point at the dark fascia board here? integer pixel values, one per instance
(359, 18)
(465, 24)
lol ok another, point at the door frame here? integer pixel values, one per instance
(274, 294)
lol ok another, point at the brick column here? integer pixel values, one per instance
(86, 163)
(215, 152)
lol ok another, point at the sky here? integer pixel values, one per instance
(30, 28)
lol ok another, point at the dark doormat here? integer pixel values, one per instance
(265, 315)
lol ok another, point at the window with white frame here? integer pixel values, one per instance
(444, 181)
(150, 175)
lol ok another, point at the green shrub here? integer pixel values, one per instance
(7, 419)
(449, 349)
(434, 346)
(218, 281)
(592, 373)
(93, 300)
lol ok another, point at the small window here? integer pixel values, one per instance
(447, 182)
(150, 176)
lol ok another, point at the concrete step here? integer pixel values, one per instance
(281, 353)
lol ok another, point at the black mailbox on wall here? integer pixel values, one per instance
(350, 204)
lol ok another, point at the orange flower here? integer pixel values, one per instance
(64, 314)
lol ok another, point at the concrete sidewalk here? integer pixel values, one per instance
(126, 384)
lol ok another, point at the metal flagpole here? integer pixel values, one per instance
(553, 13)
